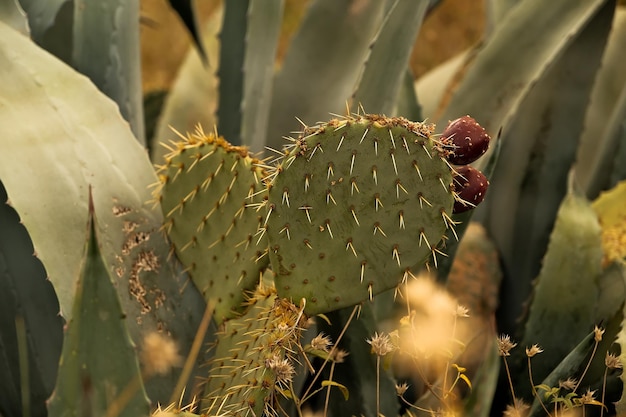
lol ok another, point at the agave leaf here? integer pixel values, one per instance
(432, 87)
(13, 15)
(358, 372)
(47, 164)
(99, 368)
(407, 103)
(609, 84)
(51, 24)
(264, 21)
(528, 40)
(41, 15)
(389, 56)
(538, 149)
(230, 71)
(322, 63)
(26, 293)
(566, 293)
(496, 12)
(187, 12)
(192, 99)
(106, 49)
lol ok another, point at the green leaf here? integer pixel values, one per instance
(41, 15)
(99, 370)
(478, 402)
(192, 99)
(322, 64)
(342, 388)
(407, 103)
(12, 14)
(609, 84)
(106, 49)
(566, 293)
(25, 294)
(521, 48)
(230, 70)
(539, 143)
(389, 56)
(48, 163)
(264, 23)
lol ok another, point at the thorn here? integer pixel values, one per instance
(421, 198)
(245, 242)
(363, 263)
(434, 252)
(341, 141)
(399, 187)
(285, 229)
(424, 238)
(329, 197)
(395, 254)
(377, 201)
(352, 161)
(232, 168)
(307, 177)
(219, 167)
(364, 134)
(379, 229)
(405, 145)
(289, 161)
(261, 233)
(393, 141)
(353, 186)
(426, 149)
(393, 159)
(417, 169)
(401, 215)
(239, 212)
(350, 246)
(306, 209)
(374, 174)
(376, 146)
(369, 290)
(307, 243)
(354, 215)
(330, 232)
(269, 212)
(286, 196)
(442, 184)
(330, 171)
(315, 148)
(262, 255)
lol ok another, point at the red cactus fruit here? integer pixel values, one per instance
(470, 185)
(465, 139)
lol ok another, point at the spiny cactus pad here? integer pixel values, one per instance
(254, 357)
(354, 206)
(207, 195)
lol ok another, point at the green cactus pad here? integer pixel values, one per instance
(253, 358)
(354, 207)
(208, 195)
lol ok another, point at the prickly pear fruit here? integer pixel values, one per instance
(354, 205)
(208, 192)
(465, 140)
(470, 186)
(254, 356)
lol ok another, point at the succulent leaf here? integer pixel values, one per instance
(354, 207)
(208, 196)
(254, 356)
(99, 363)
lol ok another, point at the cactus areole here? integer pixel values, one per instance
(354, 207)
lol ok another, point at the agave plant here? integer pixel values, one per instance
(312, 256)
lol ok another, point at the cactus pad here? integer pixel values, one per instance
(253, 358)
(208, 193)
(354, 206)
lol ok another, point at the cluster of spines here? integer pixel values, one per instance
(255, 356)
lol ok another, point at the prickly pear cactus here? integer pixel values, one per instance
(253, 358)
(354, 206)
(208, 192)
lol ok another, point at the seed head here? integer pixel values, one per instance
(569, 384)
(381, 344)
(462, 311)
(338, 355)
(597, 333)
(518, 409)
(505, 345)
(401, 389)
(282, 368)
(159, 354)
(321, 342)
(533, 350)
(612, 361)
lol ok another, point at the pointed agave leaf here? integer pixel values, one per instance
(609, 84)
(264, 22)
(192, 99)
(41, 15)
(187, 12)
(12, 14)
(520, 49)
(407, 103)
(25, 293)
(230, 71)
(389, 57)
(47, 165)
(566, 292)
(99, 368)
(106, 49)
(322, 64)
(539, 147)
